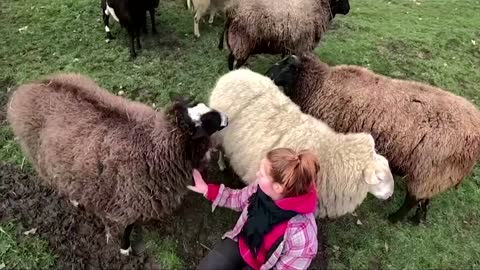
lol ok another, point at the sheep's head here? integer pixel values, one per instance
(339, 7)
(284, 72)
(380, 178)
(201, 120)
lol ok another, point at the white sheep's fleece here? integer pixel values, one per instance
(262, 118)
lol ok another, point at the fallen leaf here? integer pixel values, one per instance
(474, 42)
(359, 222)
(32, 231)
(2, 265)
(354, 214)
(335, 247)
(120, 93)
(386, 247)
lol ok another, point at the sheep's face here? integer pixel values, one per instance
(380, 181)
(339, 7)
(206, 120)
(202, 120)
(284, 73)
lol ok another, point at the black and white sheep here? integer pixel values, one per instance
(123, 160)
(131, 14)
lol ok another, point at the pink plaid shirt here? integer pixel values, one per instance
(299, 246)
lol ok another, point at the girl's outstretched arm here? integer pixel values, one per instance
(220, 195)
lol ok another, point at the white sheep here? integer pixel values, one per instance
(262, 118)
(200, 7)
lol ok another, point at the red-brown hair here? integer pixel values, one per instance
(296, 172)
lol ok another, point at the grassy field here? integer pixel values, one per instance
(437, 42)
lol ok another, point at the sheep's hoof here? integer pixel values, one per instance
(393, 218)
(75, 203)
(416, 220)
(126, 252)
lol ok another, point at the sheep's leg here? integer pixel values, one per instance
(144, 23)
(424, 210)
(421, 213)
(408, 204)
(196, 22)
(220, 40)
(152, 19)
(126, 248)
(221, 162)
(131, 34)
(105, 22)
(139, 46)
(212, 15)
(231, 60)
(240, 62)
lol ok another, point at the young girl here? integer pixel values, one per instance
(277, 228)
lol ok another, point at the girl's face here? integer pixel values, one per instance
(265, 181)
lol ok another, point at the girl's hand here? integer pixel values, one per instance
(200, 185)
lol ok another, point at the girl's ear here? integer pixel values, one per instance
(277, 187)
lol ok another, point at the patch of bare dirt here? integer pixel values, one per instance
(77, 237)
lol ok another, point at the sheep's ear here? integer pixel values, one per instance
(370, 176)
(200, 132)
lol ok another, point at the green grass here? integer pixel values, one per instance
(432, 41)
(20, 251)
(164, 251)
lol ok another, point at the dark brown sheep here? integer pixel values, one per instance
(427, 134)
(121, 159)
(276, 26)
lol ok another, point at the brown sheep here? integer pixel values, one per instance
(121, 159)
(427, 134)
(276, 26)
